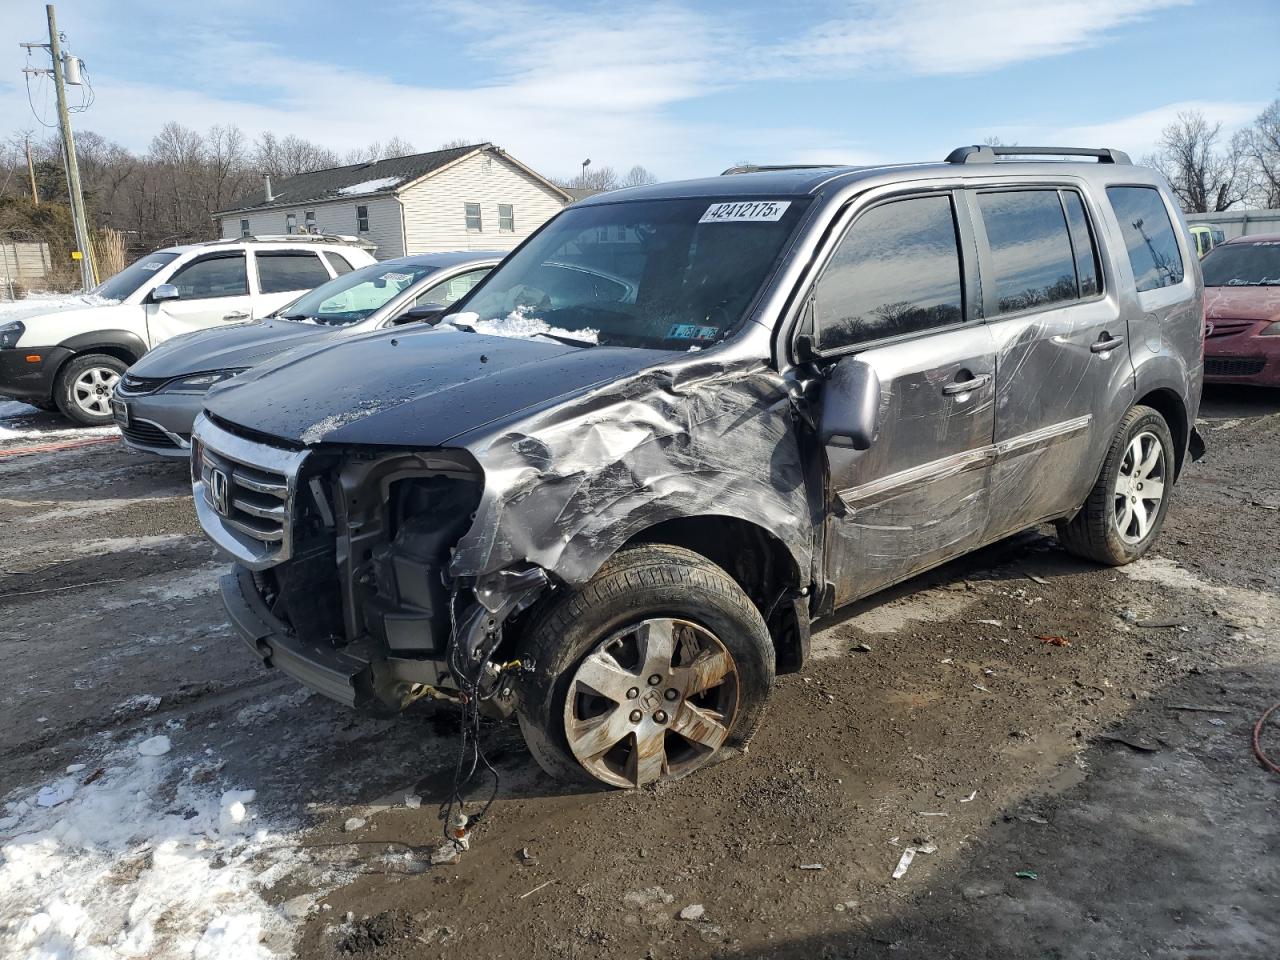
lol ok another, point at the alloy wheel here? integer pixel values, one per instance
(656, 699)
(92, 390)
(1139, 487)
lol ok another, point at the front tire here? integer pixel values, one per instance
(1128, 503)
(657, 666)
(84, 386)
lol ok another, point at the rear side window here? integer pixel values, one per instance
(896, 271)
(1030, 248)
(1082, 243)
(222, 276)
(287, 270)
(338, 263)
(1148, 235)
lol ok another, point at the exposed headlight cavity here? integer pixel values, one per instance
(10, 334)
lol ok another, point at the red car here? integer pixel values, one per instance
(1242, 311)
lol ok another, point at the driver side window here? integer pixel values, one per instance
(221, 276)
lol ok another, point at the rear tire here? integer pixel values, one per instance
(657, 666)
(84, 387)
(1128, 503)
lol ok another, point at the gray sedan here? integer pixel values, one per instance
(157, 400)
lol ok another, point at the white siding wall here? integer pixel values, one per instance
(334, 216)
(435, 219)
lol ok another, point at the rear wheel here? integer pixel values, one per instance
(84, 387)
(1127, 506)
(656, 667)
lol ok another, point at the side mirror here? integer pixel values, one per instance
(850, 406)
(165, 291)
(429, 313)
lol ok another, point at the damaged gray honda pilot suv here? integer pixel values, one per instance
(613, 489)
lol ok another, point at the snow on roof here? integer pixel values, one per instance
(369, 186)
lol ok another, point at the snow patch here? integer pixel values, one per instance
(518, 324)
(15, 408)
(365, 408)
(139, 862)
(368, 186)
(39, 304)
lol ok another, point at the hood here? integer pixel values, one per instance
(1242, 303)
(59, 309)
(241, 345)
(415, 388)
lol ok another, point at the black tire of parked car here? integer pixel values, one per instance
(63, 388)
(48, 406)
(1093, 534)
(638, 583)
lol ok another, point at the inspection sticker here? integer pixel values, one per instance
(153, 265)
(746, 211)
(692, 331)
(397, 277)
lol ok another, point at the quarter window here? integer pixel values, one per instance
(362, 219)
(896, 271)
(506, 218)
(285, 271)
(472, 212)
(223, 276)
(339, 264)
(1148, 235)
(1086, 251)
(1030, 249)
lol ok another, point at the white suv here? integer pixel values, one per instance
(70, 359)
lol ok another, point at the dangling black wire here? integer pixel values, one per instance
(469, 744)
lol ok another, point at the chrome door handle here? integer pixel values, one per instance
(1106, 343)
(966, 386)
(235, 316)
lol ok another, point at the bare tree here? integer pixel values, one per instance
(395, 147)
(1264, 151)
(457, 143)
(283, 157)
(637, 176)
(1205, 177)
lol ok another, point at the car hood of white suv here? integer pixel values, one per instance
(49, 322)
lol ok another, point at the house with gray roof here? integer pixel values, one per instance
(477, 197)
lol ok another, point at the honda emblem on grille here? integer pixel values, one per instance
(219, 491)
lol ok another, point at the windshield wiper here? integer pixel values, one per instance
(568, 341)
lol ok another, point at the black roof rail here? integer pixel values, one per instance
(767, 168)
(985, 154)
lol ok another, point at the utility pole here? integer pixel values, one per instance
(31, 172)
(85, 254)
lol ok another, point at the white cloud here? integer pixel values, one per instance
(1137, 134)
(560, 85)
(932, 37)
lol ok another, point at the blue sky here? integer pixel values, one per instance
(684, 88)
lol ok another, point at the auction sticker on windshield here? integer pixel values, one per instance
(746, 211)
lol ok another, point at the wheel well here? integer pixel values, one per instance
(1171, 407)
(760, 564)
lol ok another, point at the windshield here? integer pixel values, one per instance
(354, 296)
(1243, 265)
(133, 276)
(662, 274)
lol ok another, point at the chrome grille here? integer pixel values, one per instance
(244, 493)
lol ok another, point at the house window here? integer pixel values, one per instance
(362, 219)
(474, 224)
(506, 218)
(244, 228)
(290, 223)
(309, 220)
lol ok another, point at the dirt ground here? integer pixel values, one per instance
(1090, 797)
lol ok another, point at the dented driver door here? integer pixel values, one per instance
(894, 296)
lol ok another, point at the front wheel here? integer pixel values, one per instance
(654, 668)
(84, 387)
(1127, 506)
